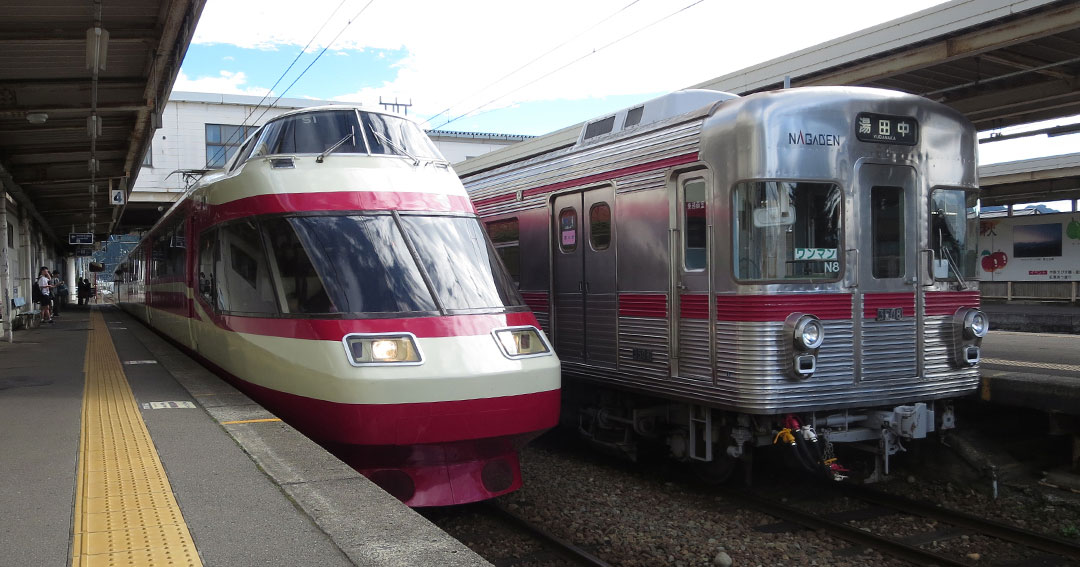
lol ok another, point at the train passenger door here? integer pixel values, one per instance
(887, 314)
(585, 295)
(690, 301)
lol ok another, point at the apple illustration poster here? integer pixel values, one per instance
(1030, 248)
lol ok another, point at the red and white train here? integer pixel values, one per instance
(336, 271)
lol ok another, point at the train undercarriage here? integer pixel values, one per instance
(635, 426)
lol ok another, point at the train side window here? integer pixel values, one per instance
(504, 236)
(695, 229)
(600, 226)
(300, 286)
(567, 230)
(247, 275)
(887, 227)
(209, 260)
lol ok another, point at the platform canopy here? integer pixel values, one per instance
(1000, 62)
(67, 133)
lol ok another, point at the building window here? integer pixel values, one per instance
(222, 140)
(148, 159)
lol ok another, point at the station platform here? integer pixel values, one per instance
(117, 449)
(1033, 370)
(1033, 317)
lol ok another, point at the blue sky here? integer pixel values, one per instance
(512, 67)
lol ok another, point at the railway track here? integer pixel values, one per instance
(1050, 550)
(563, 547)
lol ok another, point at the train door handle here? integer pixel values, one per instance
(680, 286)
(853, 267)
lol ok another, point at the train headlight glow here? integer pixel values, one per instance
(809, 333)
(976, 324)
(521, 342)
(397, 348)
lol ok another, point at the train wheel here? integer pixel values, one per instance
(716, 472)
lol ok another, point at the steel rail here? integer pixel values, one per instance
(565, 547)
(999, 530)
(854, 535)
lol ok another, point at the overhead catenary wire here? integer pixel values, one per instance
(280, 77)
(556, 70)
(535, 59)
(306, 69)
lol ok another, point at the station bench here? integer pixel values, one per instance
(28, 319)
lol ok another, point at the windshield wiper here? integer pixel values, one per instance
(382, 138)
(416, 161)
(351, 135)
(960, 282)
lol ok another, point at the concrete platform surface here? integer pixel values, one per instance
(1036, 317)
(252, 493)
(1033, 370)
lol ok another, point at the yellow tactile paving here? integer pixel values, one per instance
(125, 512)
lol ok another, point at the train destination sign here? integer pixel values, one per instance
(881, 128)
(80, 238)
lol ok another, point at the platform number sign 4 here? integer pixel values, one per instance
(117, 197)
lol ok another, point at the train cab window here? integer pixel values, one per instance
(568, 230)
(786, 231)
(345, 264)
(386, 134)
(246, 281)
(460, 263)
(887, 230)
(504, 236)
(954, 222)
(245, 152)
(600, 226)
(313, 133)
(695, 227)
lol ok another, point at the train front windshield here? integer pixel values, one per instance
(382, 264)
(787, 231)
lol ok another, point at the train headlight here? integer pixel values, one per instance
(521, 342)
(809, 333)
(976, 324)
(370, 350)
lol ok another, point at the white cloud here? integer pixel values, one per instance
(456, 49)
(227, 82)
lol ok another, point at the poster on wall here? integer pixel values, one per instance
(1030, 248)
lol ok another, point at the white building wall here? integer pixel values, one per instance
(180, 144)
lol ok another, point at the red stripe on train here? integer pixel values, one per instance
(339, 201)
(694, 306)
(604, 176)
(642, 305)
(947, 302)
(778, 307)
(874, 301)
(408, 424)
(536, 300)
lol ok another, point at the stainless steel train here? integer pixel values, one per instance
(720, 272)
(336, 271)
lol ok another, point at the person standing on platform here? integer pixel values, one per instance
(44, 282)
(83, 290)
(59, 289)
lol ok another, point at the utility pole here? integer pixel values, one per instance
(396, 106)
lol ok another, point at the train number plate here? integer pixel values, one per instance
(642, 355)
(890, 313)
